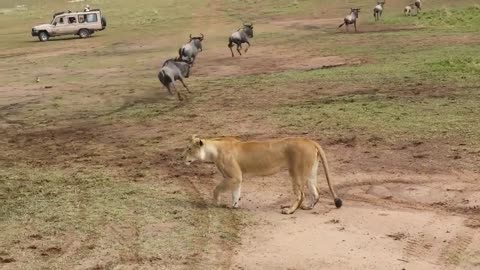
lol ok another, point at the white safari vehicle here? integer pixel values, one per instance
(83, 24)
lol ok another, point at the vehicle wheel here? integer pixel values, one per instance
(104, 22)
(43, 36)
(84, 33)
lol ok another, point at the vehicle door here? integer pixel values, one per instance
(71, 25)
(58, 26)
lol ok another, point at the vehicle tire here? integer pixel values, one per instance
(43, 36)
(104, 23)
(84, 33)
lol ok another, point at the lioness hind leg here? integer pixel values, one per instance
(296, 204)
(312, 188)
(299, 196)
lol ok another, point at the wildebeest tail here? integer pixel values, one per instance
(341, 25)
(230, 42)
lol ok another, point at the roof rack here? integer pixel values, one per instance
(58, 13)
(66, 12)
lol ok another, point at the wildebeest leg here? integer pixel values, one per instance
(248, 43)
(178, 92)
(179, 96)
(230, 45)
(355, 24)
(169, 88)
(238, 48)
(184, 85)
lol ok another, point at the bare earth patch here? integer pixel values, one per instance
(264, 61)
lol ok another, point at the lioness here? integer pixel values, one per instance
(235, 158)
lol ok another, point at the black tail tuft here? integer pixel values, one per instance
(338, 202)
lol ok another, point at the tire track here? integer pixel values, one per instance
(348, 192)
(420, 245)
(454, 252)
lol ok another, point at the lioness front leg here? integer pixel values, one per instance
(219, 189)
(236, 190)
(228, 184)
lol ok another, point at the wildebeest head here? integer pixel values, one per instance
(248, 28)
(199, 38)
(197, 41)
(355, 11)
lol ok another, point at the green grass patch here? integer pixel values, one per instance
(393, 117)
(461, 18)
(48, 203)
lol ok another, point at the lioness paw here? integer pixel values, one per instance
(306, 207)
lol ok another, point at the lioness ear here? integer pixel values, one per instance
(200, 143)
(194, 136)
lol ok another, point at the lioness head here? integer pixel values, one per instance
(194, 150)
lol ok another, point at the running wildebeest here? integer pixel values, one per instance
(172, 70)
(241, 36)
(378, 10)
(189, 51)
(408, 10)
(351, 19)
(418, 4)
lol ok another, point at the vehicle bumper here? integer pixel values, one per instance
(34, 33)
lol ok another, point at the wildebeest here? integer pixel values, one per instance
(351, 19)
(172, 70)
(189, 51)
(378, 10)
(418, 4)
(408, 10)
(241, 36)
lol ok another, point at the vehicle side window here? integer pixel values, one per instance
(60, 20)
(72, 20)
(81, 19)
(91, 18)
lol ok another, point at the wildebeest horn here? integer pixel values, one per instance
(190, 35)
(202, 35)
(246, 24)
